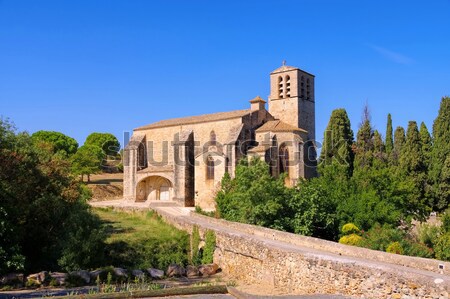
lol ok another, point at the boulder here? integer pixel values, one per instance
(11, 279)
(59, 277)
(96, 273)
(155, 273)
(207, 270)
(83, 274)
(138, 274)
(120, 272)
(38, 278)
(192, 271)
(175, 270)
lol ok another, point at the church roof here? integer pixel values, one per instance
(257, 99)
(278, 126)
(196, 119)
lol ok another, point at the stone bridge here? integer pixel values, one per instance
(305, 265)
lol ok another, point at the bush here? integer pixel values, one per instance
(195, 243)
(419, 249)
(446, 221)
(428, 234)
(350, 228)
(210, 247)
(395, 247)
(352, 239)
(442, 248)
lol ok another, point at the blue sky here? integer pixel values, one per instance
(110, 66)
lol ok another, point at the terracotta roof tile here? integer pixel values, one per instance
(278, 126)
(195, 119)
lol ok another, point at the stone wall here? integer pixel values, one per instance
(311, 266)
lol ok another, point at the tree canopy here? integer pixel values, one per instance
(58, 141)
(106, 141)
(44, 215)
(87, 160)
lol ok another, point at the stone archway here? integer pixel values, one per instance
(154, 188)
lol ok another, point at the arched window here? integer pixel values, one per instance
(212, 138)
(210, 168)
(280, 87)
(284, 159)
(288, 86)
(141, 157)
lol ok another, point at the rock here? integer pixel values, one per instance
(207, 270)
(38, 278)
(83, 274)
(192, 271)
(11, 279)
(155, 273)
(96, 273)
(175, 270)
(59, 277)
(138, 273)
(120, 272)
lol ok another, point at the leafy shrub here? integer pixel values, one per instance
(442, 248)
(395, 247)
(350, 228)
(428, 234)
(210, 247)
(380, 237)
(446, 221)
(195, 242)
(419, 249)
(352, 239)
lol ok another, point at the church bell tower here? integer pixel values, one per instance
(291, 98)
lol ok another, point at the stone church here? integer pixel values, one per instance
(184, 159)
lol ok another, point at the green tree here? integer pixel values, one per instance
(378, 146)
(253, 196)
(42, 206)
(389, 131)
(60, 143)
(425, 138)
(411, 157)
(106, 141)
(399, 141)
(337, 142)
(440, 152)
(364, 142)
(87, 160)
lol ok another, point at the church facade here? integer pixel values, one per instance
(183, 160)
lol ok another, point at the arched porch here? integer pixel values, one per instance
(154, 188)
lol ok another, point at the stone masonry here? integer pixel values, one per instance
(183, 160)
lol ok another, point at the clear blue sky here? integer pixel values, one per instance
(110, 66)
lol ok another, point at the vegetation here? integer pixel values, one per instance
(139, 240)
(59, 142)
(45, 223)
(106, 141)
(87, 160)
(195, 243)
(374, 187)
(210, 247)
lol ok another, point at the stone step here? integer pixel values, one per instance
(157, 204)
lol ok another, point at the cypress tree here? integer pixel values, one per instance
(378, 145)
(399, 141)
(389, 140)
(425, 138)
(337, 141)
(440, 152)
(411, 157)
(364, 145)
